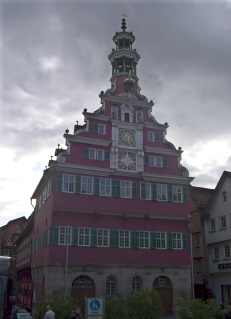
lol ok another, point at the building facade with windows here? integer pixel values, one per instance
(217, 225)
(112, 208)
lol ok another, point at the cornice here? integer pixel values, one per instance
(123, 99)
(159, 150)
(151, 177)
(97, 116)
(123, 52)
(156, 125)
(87, 140)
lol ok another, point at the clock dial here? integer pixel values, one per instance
(127, 161)
(127, 137)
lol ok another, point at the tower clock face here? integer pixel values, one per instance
(127, 161)
(127, 137)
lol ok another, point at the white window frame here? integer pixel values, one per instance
(126, 189)
(151, 136)
(223, 224)
(99, 156)
(161, 242)
(124, 239)
(84, 236)
(105, 187)
(147, 191)
(216, 253)
(162, 192)
(155, 161)
(144, 239)
(226, 251)
(177, 241)
(177, 194)
(92, 153)
(87, 185)
(68, 183)
(212, 225)
(102, 238)
(101, 129)
(65, 235)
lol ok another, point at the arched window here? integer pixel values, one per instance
(136, 283)
(224, 196)
(111, 286)
(83, 282)
(162, 281)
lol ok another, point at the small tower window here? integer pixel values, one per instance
(126, 117)
(224, 196)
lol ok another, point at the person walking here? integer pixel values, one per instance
(49, 313)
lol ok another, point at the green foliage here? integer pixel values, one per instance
(198, 309)
(114, 308)
(145, 304)
(62, 307)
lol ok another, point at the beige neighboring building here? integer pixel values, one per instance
(199, 198)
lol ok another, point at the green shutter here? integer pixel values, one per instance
(114, 238)
(94, 237)
(165, 162)
(56, 235)
(74, 236)
(146, 159)
(169, 188)
(59, 186)
(153, 239)
(78, 184)
(96, 185)
(95, 127)
(86, 152)
(157, 137)
(184, 238)
(154, 192)
(134, 239)
(134, 190)
(116, 188)
(185, 194)
(169, 240)
(106, 155)
(142, 191)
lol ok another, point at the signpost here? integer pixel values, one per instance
(95, 308)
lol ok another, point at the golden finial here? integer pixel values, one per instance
(124, 14)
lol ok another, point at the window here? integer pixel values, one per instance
(126, 189)
(177, 193)
(199, 264)
(87, 185)
(226, 251)
(161, 192)
(64, 235)
(68, 183)
(111, 284)
(84, 236)
(144, 239)
(176, 241)
(124, 239)
(212, 225)
(99, 128)
(160, 240)
(100, 155)
(223, 222)
(105, 187)
(92, 153)
(126, 117)
(224, 196)
(6, 252)
(197, 240)
(102, 238)
(145, 191)
(216, 253)
(155, 161)
(136, 283)
(153, 137)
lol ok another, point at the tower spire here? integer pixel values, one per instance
(124, 27)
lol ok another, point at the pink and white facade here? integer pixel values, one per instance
(119, 197)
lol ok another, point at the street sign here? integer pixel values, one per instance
(95, 308)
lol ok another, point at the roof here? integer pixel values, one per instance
(200, 195)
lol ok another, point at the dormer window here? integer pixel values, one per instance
(126, 113)
(224, 196)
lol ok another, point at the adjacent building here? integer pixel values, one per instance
(112, 212)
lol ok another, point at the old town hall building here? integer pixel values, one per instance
(113, 208)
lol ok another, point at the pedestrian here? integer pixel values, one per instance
(49, 313)
(78, 314)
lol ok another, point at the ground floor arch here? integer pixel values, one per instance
(83, 286)
(163, 286)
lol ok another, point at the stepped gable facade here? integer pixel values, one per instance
(112, 209)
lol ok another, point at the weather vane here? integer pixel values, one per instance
(124, 14)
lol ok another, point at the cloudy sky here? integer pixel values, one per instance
(54, 64)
